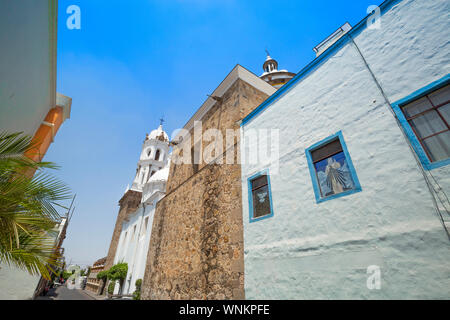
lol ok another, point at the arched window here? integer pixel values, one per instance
(149, 152)
(150, 175)
(158, 153)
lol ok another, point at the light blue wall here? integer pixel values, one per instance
(311, 250)
(27, 92)
(27, 63)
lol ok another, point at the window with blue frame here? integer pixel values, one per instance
(425, 118)
(260, 197)
(331, 169)
(429, 118)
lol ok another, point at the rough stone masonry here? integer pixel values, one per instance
(196, 247)
(127, 204)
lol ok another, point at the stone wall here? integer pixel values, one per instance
(196, 248)
(128, 204)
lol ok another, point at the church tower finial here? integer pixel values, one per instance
(273, 76)
(270, 65)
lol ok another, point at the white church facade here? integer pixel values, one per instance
(151, 177)
(356, 204)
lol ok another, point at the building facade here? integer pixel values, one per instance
(196, 246)
(93, 284)
(134, 223)
(29, 102)
(60, 231)
(355, 204)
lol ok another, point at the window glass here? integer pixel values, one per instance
(445, 111)
(417, 107)
(333, 175)
(261, 202)
(427, 124)
(259, 182)
(440, 96)
(438, 146)
(429, 118)
(260, 196)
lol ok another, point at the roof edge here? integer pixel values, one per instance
(384, 7)
(238, 72)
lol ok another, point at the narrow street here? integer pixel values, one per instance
(62, 293)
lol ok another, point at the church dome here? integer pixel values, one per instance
(270, 65)
(158, 134)
(273, 76)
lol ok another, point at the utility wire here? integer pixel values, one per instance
(431, 189)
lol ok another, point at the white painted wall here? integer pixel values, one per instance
(133, 245)
(322, 251)
(27, 64)
(135, 236)
(133, 250)
(27, 93)
(16, 284)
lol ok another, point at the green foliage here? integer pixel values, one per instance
(27, 207)
(138, 283)
(137, 292)
(83, 272)
(102, 275)
(66, 275)
(111, 286)
(118, 272)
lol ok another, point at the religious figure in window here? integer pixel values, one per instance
(332, 170)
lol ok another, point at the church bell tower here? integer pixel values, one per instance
(273, 76)
(154, 156)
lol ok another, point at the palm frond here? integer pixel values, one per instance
(28, 216)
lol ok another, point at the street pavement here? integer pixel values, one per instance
(62, 293)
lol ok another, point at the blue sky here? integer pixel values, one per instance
(135, 61)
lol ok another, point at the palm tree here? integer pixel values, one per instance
(28, 201)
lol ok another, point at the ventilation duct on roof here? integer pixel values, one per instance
(335, 36)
